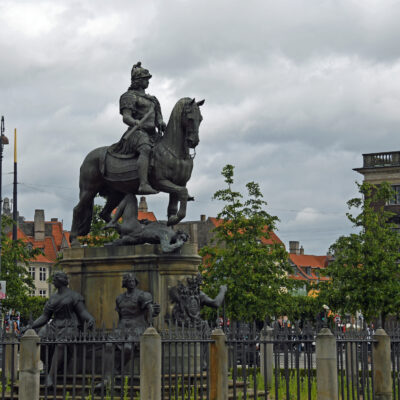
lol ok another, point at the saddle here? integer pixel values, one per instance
(118, 167)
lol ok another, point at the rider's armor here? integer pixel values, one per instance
(147, 134)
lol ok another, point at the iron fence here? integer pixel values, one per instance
(91, 365)
(185, 369)
(9, 349)
(393, 330)
(355, 363)
(268, 363)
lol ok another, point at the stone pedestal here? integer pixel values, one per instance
(96, 273)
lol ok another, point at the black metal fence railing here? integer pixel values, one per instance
(9, 348)
(267, 363)
(355, 363)
(92, 365)
(244, 341)
(185, 369)
(274, 363)
(393, 330)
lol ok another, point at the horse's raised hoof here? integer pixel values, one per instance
(173, 220)
(145, 188)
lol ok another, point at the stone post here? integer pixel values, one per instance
(150, 365)
(327, 379)
(382, 365)
(267, 356)
(11, 357)
(218, 366)
(29, 374)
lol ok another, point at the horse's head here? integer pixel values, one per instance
(191, 119)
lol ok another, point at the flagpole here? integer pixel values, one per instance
(15, 208)
(3, 141)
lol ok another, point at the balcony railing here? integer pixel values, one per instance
(388, 159)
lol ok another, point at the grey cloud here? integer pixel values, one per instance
(295, 92)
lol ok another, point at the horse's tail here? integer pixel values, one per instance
(82, 219)
(89, 184)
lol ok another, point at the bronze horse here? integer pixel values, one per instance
(170, 170)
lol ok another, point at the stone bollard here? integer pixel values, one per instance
(11, 357)
(150, 365)
(267, 356)
(29, 374)
(218, 366)
(382, 365)
(327, 378)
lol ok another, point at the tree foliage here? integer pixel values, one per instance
(15, 257)
(31, 308)
(242, 257)
(97, 237)
(365, 272)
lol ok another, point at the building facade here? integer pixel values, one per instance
(384, 167)
(48, 236)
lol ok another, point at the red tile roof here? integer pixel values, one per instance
(273, 238)
(305, 260)
(149, 215)
(50, 246)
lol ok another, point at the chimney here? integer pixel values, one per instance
(294, 247)
(202, 217)
(39, 225)
(6, 206)
(301, 250)
(143, 205)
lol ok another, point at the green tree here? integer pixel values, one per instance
(15, 259)
(242, 256)
(97, 236)
(32, 307)
(365, 272)
(302, 307)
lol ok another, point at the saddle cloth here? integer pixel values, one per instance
(118, 167)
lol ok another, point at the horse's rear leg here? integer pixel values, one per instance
(111, 203)
(82, 215)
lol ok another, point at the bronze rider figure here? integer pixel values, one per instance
(142, 113)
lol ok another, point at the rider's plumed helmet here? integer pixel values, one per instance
(139, 72)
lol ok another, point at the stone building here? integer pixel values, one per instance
(201, 232)
(384, 167)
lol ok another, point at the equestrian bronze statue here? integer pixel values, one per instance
(150, 157)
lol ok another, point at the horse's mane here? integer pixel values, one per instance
(175, 117)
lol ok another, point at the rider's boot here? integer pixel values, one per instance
(143, 167)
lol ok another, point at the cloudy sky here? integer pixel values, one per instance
(296, 91)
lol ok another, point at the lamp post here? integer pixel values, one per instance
(3, 141)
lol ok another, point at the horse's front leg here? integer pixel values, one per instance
(172, 205)
(177, 194)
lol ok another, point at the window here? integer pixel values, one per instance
(32, 272)
(42, 274)
(396, 197)
(42, 293)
